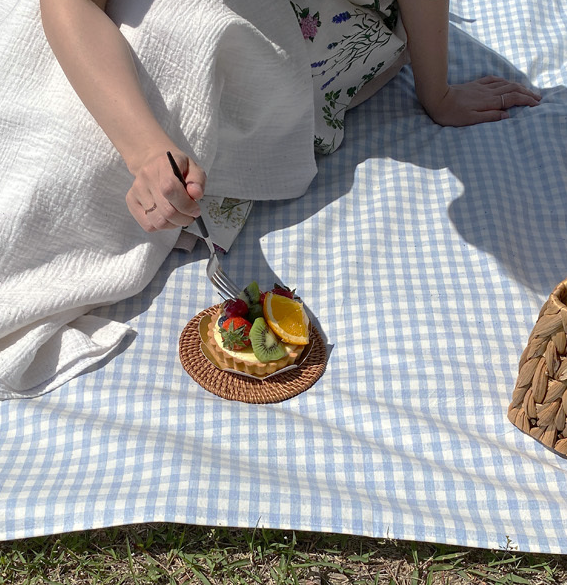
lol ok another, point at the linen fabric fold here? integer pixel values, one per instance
(231, 85)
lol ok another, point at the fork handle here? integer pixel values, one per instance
(202, 228)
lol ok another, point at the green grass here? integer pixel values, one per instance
(172, 554)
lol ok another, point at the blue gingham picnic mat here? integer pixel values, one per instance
(425, 254)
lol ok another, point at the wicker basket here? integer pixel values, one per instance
(539, 401)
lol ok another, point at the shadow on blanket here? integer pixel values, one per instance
(512, 203)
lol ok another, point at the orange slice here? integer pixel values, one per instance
(287, 318)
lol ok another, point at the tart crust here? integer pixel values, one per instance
(226, 360)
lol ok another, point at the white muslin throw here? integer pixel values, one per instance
(229, 82)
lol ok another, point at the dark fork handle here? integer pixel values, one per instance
(198, 220)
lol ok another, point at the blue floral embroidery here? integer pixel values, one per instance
(342, 17)
(328, 82)
(368, 35)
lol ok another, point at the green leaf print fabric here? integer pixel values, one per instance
(349, 43)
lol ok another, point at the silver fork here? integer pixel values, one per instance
(227, 288)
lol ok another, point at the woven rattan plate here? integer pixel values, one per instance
(234, 387)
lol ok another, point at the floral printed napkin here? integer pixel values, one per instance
(224, 218)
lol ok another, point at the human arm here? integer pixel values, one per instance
(97, 61)
(427, 26)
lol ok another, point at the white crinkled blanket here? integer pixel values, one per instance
(228, 78)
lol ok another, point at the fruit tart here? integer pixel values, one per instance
(259, 333)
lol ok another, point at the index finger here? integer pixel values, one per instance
(193, 179)
(192, 186)
(175, 193)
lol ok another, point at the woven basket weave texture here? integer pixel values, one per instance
(539, 400)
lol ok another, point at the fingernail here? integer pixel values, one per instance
(196, 189)
(196, 186)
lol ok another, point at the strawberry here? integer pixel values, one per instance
(235, 333)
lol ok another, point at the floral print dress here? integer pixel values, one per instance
(350, 43)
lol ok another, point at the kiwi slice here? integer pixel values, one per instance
(251, 294)
(265, 345)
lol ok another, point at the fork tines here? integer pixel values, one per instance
(227, 288)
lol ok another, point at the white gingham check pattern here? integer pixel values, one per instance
(424, 255)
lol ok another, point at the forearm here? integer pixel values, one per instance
(427, 26)
(97, 61)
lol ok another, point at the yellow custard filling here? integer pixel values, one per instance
(246, 355)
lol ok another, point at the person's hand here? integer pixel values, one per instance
(158, 200)
(483, 100)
